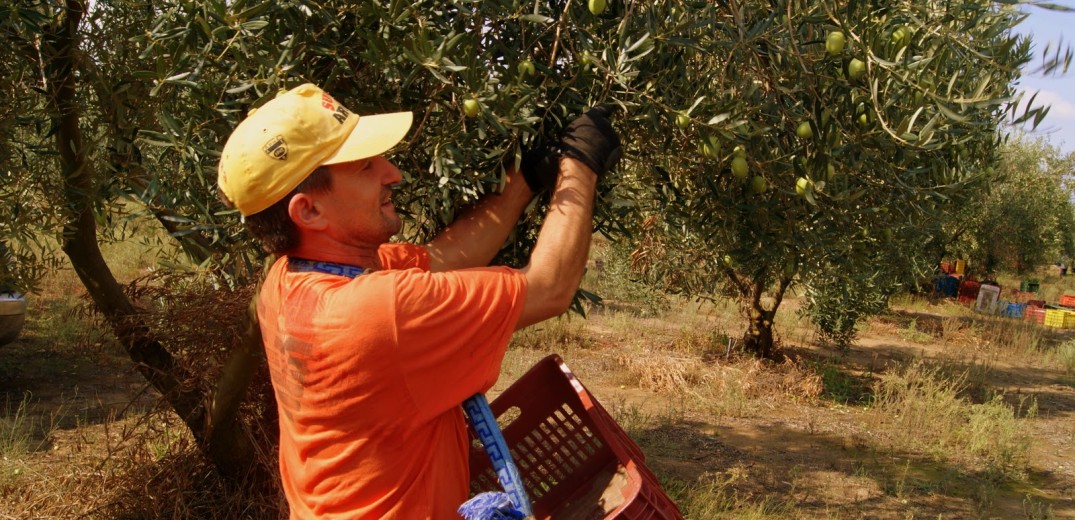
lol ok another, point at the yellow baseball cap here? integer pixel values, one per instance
(279, 144)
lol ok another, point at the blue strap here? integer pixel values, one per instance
(484, 423)
(299, 265)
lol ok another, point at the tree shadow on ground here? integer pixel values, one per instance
(1052, 388)
(833, 472)
(57, 385)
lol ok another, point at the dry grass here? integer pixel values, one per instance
(141, 462)
(701, 368)
(138, 467)
(665, 372)
(921, 407)
(714, 495)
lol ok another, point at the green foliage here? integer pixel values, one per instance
(33, 180)
(912, 134)
(27, 185)
(378, 56)
(840, 385)
(613, 278)
(837, 301)
(1027, 219)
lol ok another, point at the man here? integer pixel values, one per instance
(373, 346)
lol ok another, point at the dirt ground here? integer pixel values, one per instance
(809, 455)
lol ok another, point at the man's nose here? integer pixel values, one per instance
(392, 175)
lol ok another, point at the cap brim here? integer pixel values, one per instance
(372, 136)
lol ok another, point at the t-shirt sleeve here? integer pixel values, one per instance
(453, 330)
(404, 256)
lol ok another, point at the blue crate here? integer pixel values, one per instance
(946, 286)
(1012, 310)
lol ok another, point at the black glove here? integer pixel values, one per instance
(541, 167)
(591, 139)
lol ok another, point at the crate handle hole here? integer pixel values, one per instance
(509, 416)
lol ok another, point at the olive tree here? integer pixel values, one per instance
(767, 143)
(829, 136)
(70, 160)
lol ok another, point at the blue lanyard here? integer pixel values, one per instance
(300, 265)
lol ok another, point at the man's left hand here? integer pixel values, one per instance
(541, 167)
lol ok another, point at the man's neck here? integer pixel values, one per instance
(365, 257)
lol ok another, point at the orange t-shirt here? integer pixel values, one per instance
(369, 374)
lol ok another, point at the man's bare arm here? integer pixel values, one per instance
(559, 257)
(477, 234)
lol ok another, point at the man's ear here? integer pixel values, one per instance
(305, 212)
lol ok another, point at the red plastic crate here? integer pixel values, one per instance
(968, 291)
(1036, 314)
(1067, 300)
(575, 461)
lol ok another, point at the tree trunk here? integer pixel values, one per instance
(759, 338)
(228, 444)
(59, 49)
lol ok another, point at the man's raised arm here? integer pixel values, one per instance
(479, 232)
(590, 148)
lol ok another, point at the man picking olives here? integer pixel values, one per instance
(373, 345)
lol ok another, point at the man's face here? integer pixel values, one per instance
(359, 206)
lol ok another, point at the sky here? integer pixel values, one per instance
(1059, 92)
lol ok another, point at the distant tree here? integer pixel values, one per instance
(1026, 219)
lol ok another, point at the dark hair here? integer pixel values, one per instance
(272, 226)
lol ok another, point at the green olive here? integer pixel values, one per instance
(834, 43)
(758, 184)
(471, 107)
(526, 68)
(740, 168)
(856, 69)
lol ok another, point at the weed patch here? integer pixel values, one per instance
(840, 385)
(920, 408)
(20, 432)
(912, 334)
(1065, 357)
(714, 496)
